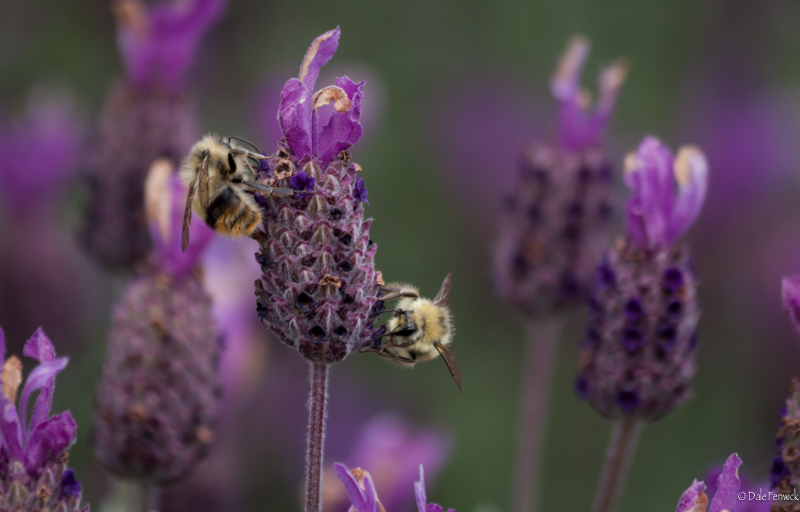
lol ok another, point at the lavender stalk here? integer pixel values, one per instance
(554, 229)
(624, 437)
(317, 414)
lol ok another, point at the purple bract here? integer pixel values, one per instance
(694, 499)
(657, 213)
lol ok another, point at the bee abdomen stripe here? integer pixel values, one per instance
(220, 205)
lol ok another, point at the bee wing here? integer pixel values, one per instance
(450, 360)
(443, 297)
(187, 214)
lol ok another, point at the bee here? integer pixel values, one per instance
(219, 174)
(419, 329)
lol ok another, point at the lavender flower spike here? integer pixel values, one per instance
(725, 499)
(33, 470)
(656, 215)
(157, 399)
(318, 283)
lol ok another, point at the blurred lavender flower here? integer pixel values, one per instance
(388, 446)
(52, 130)
(41, 264)
(363, 495)
(694, 499)
(33, 458)
(156, 402)
(318, 281)
(555, 222)
(147, 116)
(638, 357)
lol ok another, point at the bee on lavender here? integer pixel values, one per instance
(420, 329)
(221, 182)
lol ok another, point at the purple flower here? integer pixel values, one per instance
(302, 181)
(157, 44)
(165, 201)
(657, 214)
(32, 466)
(364, 498)
(360, 192)
(51, 129)
(578, 126)
(299, 109)
(725, 497)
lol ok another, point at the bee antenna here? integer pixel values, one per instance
(245, 141)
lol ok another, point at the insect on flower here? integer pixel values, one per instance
(218, 175)
(420, 329)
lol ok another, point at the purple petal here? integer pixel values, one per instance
(158, 46)
(318, 54)
(344, 128)
(691, 172)
(351, 484)
(790, 291)
(39, 347)
(50, 439)
(419, 491)
(11, 430)
(294, 116)
(69, 485)
(610, 82)
(689, 499)
(370, 494)
(728, 485)
(42, 377)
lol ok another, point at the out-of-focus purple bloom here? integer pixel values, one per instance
(299, 109)
(657, 214)
(578, 126)
(31, 464)
(165, 198)
(40, 152)
(393, 452)
(158, 44)
(725, 497)
(790, 292)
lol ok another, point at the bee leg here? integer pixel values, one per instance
(269, 190)
(395, 358)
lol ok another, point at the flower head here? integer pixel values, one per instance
(555, 220)
(580, 127)
(785, 472)
(32, 455)
(318, 284)
(694, 499)
(157, 44)
(638, 358)
(657, 213)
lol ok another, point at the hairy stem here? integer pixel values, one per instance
(624, 436)
(317, 413)
(541, 347)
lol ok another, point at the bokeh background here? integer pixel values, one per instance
(453, 89)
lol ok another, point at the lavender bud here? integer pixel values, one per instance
(318, 281)
(555, 222)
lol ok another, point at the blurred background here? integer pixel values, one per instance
(453, 88)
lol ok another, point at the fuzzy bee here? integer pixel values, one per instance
(219, 176)
(419, 329)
